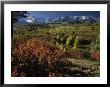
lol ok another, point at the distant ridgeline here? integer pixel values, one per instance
(60, 20)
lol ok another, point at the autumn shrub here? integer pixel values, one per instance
(32, 55)
(95, 55)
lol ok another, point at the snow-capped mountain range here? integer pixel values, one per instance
(68, 19)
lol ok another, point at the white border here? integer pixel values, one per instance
(55, 80)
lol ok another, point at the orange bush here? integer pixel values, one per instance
(34, 50)
(95, 55)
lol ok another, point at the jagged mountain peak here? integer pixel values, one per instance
(67, 19)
